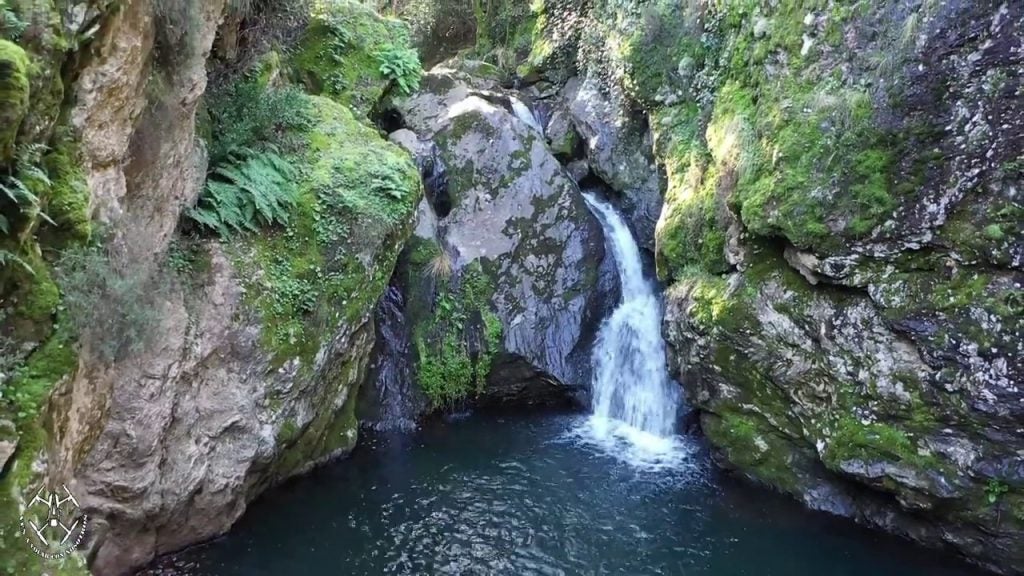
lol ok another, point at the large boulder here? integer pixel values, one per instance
(525, 252)
(846, 252)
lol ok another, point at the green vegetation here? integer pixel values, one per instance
(457, 341)
(752, 446)
(401, 65)
(331, 260)
(250, 192)
(247, 116)
(994, 491)
(14, 93)
(351, 54)
(856, 440)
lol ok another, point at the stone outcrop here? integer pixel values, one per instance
(509, 211)
(841, 233)
(256, 347)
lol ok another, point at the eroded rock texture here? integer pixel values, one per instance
(842, 235)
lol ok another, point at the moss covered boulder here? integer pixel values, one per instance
(841, 230)
(345, 50)
(14, 94)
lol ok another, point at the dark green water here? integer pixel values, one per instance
(522, 495)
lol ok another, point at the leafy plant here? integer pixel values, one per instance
(256, 189)
(245, 116)
(11, 27)
(18, 186)
(401, 65)
(995, 490)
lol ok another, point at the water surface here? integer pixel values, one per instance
(530, 495)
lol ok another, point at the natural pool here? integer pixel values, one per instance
(519, 495)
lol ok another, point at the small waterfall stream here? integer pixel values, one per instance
(396, 409)
(634, 400)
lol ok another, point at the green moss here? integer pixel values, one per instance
(338, 53)
(329, 433)
(856, 440)
(330, 264)
(67, 202)
(994, 232)
(31, 384)
(14, 95)
(23, 396)
(750, 444)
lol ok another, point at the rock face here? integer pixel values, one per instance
(842, 232)
(618, 148)
(166, 449)
(508, 211)
(252, 366)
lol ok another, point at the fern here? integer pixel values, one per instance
(17, 187)
(402, 66)
(254, 189)
(11, 27)
(7, 258)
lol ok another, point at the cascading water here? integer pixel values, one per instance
(395, 408)
(634, 400)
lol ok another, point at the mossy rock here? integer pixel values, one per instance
(357, 197)
(14, 95)
(67, 201)
(338, 55)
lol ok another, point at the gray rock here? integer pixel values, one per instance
(516, 211)
(618, 146)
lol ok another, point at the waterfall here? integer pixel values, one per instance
(395, 405)
(634, 400)
(522, 111)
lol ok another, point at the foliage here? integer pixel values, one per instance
(456, 344)
(114, 308)
(11, 27)
(402, 66)
(994, 490)
(246, 116)
(330, 262)
(351, 54)
(256, 189)
(19, 188)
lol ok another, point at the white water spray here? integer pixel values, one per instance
(522, 111)
(634, 400)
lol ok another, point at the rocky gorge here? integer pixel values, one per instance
(235, 230)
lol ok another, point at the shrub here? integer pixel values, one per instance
(256, 189)
(245, 115)
(11, 27)
(114, 310)
(401, 65)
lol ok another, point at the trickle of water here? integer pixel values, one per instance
(522, 111)
(394, 377)
(634, 400)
